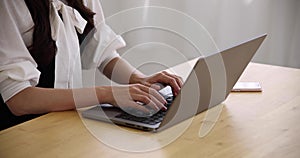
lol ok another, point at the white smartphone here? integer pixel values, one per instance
(247, 87)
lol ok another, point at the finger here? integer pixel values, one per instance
(171, 81)
(154, 93)
(154, 86)
(146, 100)
(178, 79)
(160, 85)
(145, 112)
(151, 101)
(159, 103)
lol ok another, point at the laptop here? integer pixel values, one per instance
(208, 84)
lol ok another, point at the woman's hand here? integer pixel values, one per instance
(141, 88)
(124, 71)
(162, 77)
(131, 96)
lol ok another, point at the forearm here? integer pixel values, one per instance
(122, 72)
(34, 100)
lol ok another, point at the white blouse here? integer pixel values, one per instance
(18, 70)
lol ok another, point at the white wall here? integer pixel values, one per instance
(228, 21)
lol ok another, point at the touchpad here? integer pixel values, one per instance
(109, 110)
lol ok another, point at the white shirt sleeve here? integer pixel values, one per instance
(100, 47)
(18, 70)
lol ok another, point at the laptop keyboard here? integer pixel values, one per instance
(151, 120)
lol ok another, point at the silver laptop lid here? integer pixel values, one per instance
(211, 81)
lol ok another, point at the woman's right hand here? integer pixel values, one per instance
(130, 96)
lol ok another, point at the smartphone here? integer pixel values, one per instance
(247, 87)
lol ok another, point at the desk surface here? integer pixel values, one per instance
(250, 125)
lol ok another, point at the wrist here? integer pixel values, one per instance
(137, 78)
(104, 94)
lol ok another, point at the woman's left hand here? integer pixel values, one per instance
(164, 78)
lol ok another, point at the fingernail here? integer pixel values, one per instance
(165, 108)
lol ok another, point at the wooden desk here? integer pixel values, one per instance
(250, 125)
